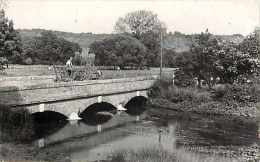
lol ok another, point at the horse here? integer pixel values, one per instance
(3, 63)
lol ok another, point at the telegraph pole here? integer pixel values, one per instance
(161, 50)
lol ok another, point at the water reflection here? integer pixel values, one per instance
(205, 130)
(97, 118)
(136, 106)
(90, 125)
(98, 113)
(81, 140)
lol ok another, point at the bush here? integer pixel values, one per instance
(241, 94)
(177, 94)
(160, 88)
(183, 80)
(28, 61)
(164, 89)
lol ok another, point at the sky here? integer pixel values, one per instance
(99, 16)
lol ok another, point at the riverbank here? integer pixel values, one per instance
(211, 108)
(241, 100)
(230, 136)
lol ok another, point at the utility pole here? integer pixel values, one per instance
(161, 50)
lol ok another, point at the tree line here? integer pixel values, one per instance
(44, 49)
(216, 60)
(138, 43)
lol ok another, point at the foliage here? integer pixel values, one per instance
(10, 41)
(146, 27)
(211, 58)
(183, 79)
(238, 61)
(236, 99)
(159, 88)
(3, 63)
(152, 154)
(28, 61)
(120, 50)
(198, 63)
(240, 94)
(169, 55)
(164, 89)
(49, 49)
(138, 23)
(188, 95)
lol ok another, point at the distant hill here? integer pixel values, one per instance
(83, 39)
(178, 41)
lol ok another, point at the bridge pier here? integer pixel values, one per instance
(120, 107)
(74, 116)
(99, 128)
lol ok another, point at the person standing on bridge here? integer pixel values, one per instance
(69, 66)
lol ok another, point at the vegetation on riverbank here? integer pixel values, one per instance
(224, 99)
(157, 154)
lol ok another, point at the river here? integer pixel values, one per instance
(98, 137)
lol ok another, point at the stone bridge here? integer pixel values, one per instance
(71, 98)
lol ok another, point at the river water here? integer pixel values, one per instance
(97, 137)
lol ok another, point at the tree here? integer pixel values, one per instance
(146, 27)
(10, 40)
(199, 62)
(119, 50)
(138, 23)
(211, 58)
(238, 61)
(49, 49)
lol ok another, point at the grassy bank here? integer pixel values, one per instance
(236, 100)
(39, 70)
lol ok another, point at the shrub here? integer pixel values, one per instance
(179, 94)
(160, 88)
(164, 89)
(183, 80)
(241, 94)
(28, 61)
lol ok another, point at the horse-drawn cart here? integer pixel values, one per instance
(81, 73)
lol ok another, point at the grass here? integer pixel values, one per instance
(38, 70)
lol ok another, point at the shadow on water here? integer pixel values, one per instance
(47, 123)
(136, 106)
(98, 113)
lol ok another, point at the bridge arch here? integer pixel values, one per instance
(98, 113)
(48, 115)
(97, 107)
(136, 105)
(76, 106)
